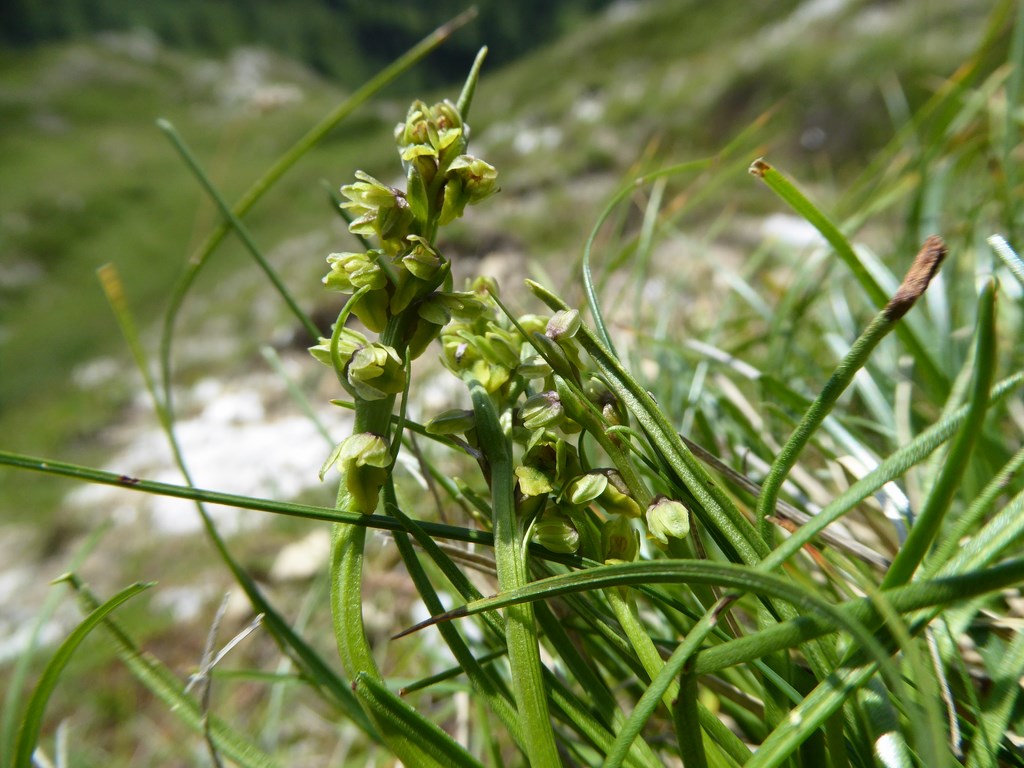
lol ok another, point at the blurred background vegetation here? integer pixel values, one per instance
(574, 97)
(346, 41)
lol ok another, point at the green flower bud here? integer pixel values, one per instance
(666, 518)
(422, 261)
(352, 271)
(375, 371)
(379, 210)
(435, 132)
(543, 410)
(479, 179)
(620, 541)
(500, 346)
(368, 194)
(468, 180)
(532, 366)
(533, 323)
(616, 498)
(348, 342)
(563, 325)
(453, 422)
(555, 532)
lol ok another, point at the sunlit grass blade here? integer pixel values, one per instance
(165, 686)
(20, 669)
(929, 520)
(792, 196)
(32, 720)
(1004, 251)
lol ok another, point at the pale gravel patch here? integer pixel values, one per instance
(235, 442)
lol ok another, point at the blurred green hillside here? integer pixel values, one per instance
(347, 41)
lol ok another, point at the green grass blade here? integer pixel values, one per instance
(925, 266)
(788, 193)
(236, 224)
(994, 721)
(593, 302)
(166, 687)
(687, 721)
(789, 634)
(32, 721)
(413, 736)
(939, 499)
(20, 669)
(325, 679)
(895, 465)
(520, 628)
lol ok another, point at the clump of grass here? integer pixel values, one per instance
(672, 584)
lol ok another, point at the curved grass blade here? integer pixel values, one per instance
(433, 747)
(166, 686)
(240, 229)
(788, 192)
(924, 268)
(788, 634)
(20, 668)
(32, 722)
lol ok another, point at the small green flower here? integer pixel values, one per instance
(563, 325)
(667, 518)
(555, 531)
(379, 210)
(542, 411)
(453, 422)
(468, 181)
(620, 541)
(375, 371)
(352, 271)
(348, 342)
(363, 460)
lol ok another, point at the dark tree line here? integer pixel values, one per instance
(346, 40)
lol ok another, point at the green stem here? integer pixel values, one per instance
(510, 557)
(624, 607)
(855, 359)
